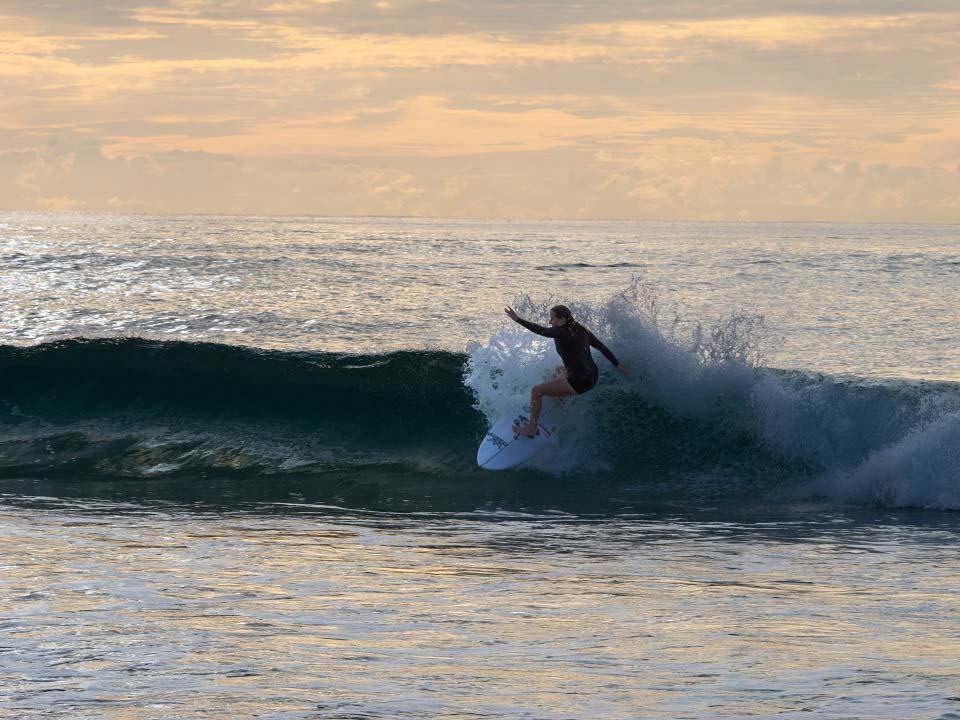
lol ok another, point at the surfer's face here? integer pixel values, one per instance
(554, 320)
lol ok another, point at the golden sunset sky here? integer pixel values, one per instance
(692, 109)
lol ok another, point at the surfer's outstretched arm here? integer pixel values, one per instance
(608, 355)
(604, 349)
(539, 329)
(550, 332)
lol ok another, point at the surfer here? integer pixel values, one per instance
(579, 372)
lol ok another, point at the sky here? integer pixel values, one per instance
(834, 110)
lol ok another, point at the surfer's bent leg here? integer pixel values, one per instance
(554, 388)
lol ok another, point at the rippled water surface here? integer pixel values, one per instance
(152, 613)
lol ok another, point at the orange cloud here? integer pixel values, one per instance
(693, 102)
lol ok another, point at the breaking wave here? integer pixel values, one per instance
(700, 420)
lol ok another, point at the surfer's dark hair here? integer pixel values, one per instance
(563, 312)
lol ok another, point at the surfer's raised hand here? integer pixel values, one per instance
(510, 313)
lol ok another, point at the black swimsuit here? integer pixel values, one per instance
(574, 349)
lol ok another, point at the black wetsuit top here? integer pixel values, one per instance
(574, 349)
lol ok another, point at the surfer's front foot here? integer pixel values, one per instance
(525, 430)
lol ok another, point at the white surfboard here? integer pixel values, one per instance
(502, 448)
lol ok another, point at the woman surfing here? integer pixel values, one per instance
(579, 372)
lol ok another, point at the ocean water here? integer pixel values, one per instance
(237, 471)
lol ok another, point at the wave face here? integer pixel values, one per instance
(699, 422)
(179, 417)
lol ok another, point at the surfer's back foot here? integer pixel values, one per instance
(525, 430)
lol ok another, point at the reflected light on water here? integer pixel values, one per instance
(179, 615)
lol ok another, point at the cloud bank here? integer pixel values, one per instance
(744, 110)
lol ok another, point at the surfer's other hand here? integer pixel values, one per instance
(510, 313)
(624, 370)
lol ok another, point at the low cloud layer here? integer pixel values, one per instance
(529, 184)
(844, 110)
